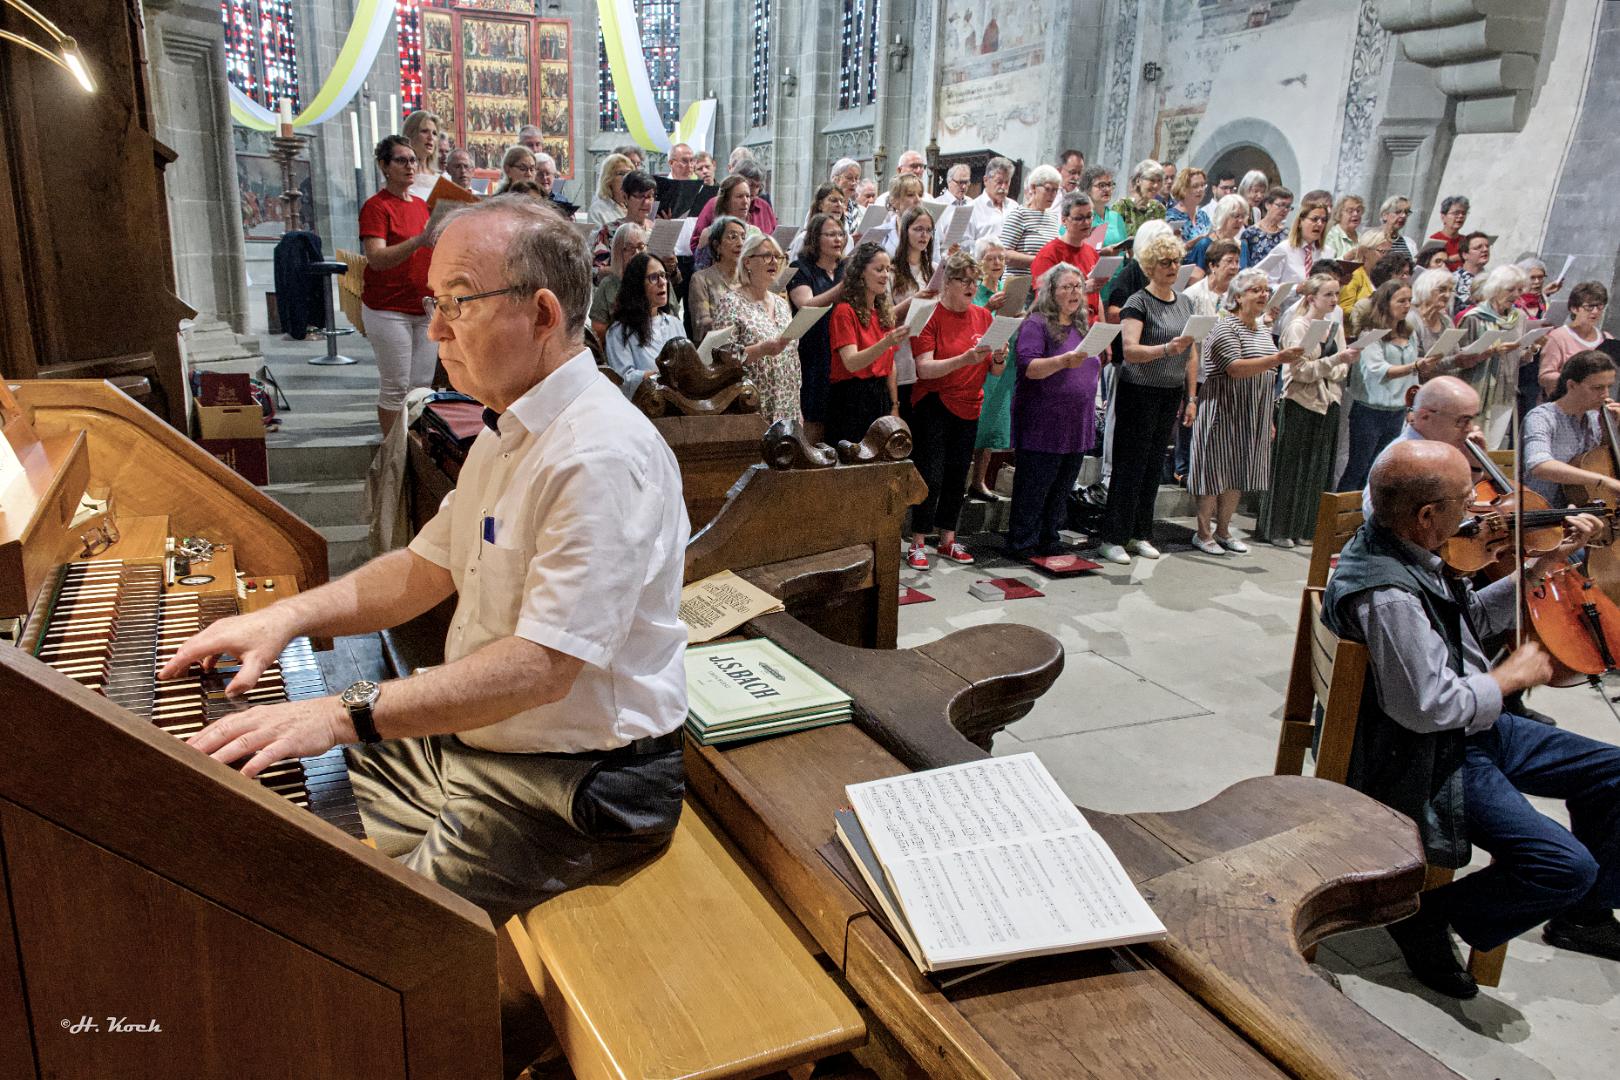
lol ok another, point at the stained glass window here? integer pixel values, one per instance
(760, 98)
(660, 23)
(261, 59)
(408, 33)
(858, 39)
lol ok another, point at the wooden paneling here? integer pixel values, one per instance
(107, 939)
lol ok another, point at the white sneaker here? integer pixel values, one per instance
(1233, 544)
(1113, 553)
(1207, 546)
(1282, 542)
(1142, 548)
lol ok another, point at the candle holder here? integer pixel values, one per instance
(286, 149)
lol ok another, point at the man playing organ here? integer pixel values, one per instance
(546, 749)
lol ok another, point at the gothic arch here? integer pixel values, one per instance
(1236, 134)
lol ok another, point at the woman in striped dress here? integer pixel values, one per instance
(1028, 228)
(1231, 449)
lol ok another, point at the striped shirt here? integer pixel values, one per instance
(1551, 434)
(1027, 231)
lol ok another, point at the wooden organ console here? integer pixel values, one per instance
(144, 882)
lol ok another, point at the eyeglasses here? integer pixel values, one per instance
(657, 279)
(1104, 184)
(1163, 264)
(449, 307)
(1588, 307)
(402, 160)
(768, 256)
(529, 168)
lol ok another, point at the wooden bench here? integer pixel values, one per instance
(687, 965)
(1333, 671)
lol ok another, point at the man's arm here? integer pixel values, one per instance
(1416, 686)
(389, 590)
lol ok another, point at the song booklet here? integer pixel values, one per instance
(748, 689)
(987, 862)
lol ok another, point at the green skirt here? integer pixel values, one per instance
(1301, 464)
(995, 419)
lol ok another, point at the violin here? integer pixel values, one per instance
(1575, 620)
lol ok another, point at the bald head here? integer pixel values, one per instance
(1419, 488)
(1445, 409)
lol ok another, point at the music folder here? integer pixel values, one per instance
(683, 198)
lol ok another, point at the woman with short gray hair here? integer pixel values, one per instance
(1026, 229)
(1495, 372)
(1228, 218)
(1128, 212)
(1253, 188)
(1231, 445)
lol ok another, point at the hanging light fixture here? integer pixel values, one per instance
(65, 51)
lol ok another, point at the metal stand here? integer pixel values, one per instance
(331, 331)
(285, 149)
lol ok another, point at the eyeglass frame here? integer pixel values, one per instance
(430, 304)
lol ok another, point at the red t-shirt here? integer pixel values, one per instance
(951, 333)
(846, 329)
(1058, 250)
(1453, 249)
(392, 219)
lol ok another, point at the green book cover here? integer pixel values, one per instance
(753, 681)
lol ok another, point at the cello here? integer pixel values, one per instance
(1575, 620)
(1603, 564)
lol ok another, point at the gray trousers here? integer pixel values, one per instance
(507, 831)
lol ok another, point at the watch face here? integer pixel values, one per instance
(361, 693)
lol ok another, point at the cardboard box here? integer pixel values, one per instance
(217, 388)
(230, 425)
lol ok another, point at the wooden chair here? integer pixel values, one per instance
(350, 286)
(1333, 671)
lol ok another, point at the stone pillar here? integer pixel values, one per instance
(185, 41)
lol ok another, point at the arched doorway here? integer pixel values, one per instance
(1239, 160)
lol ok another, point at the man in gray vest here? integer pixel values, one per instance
(1434, 742)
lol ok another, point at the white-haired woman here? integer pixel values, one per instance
(1154, 388)
(1128, 213)
(1253, 188)
(421, 129)
(1495, 372)
(608, 206)
(1231, 448)
(1307, 420)
(629, 240)
(1228, 218)
(1028, 228)
(757, 317)
(1345, 232)
(1431, 307)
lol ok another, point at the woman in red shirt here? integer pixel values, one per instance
(393, 231)
(863, 338)
(945, 404)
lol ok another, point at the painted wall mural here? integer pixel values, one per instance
(994, 75)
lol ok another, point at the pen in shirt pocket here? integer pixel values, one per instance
(489, 530)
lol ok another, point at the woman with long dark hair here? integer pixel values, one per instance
(642, 321)
(1559, 432)
(863, 337)
(1378, 383)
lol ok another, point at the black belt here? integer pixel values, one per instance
(646, 746)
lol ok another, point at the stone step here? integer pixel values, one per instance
(324, 459)
(322, 502)
(347, 546)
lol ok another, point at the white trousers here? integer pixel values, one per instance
(405, 356)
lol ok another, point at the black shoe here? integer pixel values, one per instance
(1426, 944)
(1539, 717)
(1597, 937)
(982, 494)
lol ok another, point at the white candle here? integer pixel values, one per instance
(286, 117)
(354, 130)
(393, 112)
(375, 138)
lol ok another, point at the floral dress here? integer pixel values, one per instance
(777, 377)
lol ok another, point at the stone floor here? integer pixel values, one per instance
(1172, 690)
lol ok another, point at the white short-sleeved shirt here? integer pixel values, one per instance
(566, 528)
(986, 219)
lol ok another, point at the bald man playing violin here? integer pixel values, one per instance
(1445, 409)
(1434, 741)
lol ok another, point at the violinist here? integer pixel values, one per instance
(1435, 742)
(1559, 432)
(1445, 409)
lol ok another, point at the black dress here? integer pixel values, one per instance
(815, 347)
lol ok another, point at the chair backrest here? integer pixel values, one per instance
(1338, 674)
(1338, 516)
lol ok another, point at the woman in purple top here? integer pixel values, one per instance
(1054, 419)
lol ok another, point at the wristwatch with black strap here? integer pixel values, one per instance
(358, 700)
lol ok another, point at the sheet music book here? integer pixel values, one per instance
(1446, 342)
(1557, 313)
(1001, 330)
(1532, 336)
(1284, 290)
(937, 282)
(1481, 343)
(1369, 337)
(1108, 266)
(918, 314)
(1098, 235)
(683, 243)
(807, 317)
(785, 275)
(746, 689)
(957, 219)
(446, 189)
(1199, 326)
(1184, 276)
(871, 219)
(784, 235)
(666, 233)
(934, 209)
(683, 198)
(720, 603)
(1017, 290)
(714, 339)
(1316, 334)
(1569, 261)
(1099, 337)
(989, 861)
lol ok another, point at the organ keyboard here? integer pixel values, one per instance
(109, 625)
